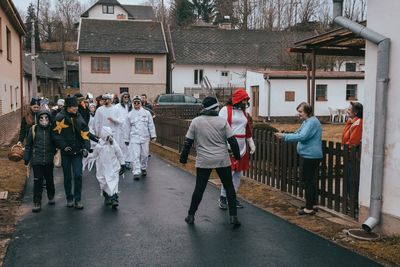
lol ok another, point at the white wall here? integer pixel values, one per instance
(183, 76)
(385, 20)
(336, 94)
(97, 13)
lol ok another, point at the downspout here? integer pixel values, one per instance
(269, 98)
(382, 84)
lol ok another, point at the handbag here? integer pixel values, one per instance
(57, 159)
(16, 153)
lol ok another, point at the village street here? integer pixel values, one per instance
(148, 230)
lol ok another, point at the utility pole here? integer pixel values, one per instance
(33, 57)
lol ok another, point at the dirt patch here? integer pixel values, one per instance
(325, 224)
(330, 132)
(12, 179)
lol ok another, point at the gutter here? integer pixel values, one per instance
(381, 93)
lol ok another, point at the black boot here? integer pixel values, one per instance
(107, 199)
(235, 222)
(114, 201)
(189, 219)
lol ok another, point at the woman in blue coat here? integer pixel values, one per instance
(309, 148)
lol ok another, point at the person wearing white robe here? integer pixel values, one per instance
(139, 130)
(123, 107)
(109, 162)
(106, 115)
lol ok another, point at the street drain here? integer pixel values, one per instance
(363, 235)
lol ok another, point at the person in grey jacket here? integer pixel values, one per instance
(309, 148)
(39, 151)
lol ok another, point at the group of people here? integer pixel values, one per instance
(114, 135)
(117, 136)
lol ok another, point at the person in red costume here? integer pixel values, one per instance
(235, 113)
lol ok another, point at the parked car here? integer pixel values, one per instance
(176, 100)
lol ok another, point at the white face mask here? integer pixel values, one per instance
(44, 120)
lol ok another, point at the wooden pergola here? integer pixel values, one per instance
(338, 42)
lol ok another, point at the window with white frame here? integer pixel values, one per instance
(351, 92)
(108, 9)
(198, 76)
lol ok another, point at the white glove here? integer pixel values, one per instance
(252, 146)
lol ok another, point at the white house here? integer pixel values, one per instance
(119, 53)
(384, 19)
(276, 94)
(224, 55)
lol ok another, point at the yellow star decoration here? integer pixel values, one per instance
(60, 125)
(85, 135)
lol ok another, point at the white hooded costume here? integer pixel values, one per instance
(123, 111)
(101, 118)
(139, 129)
(109, 158)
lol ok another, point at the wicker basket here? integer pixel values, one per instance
(16, 153)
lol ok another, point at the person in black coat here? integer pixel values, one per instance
(39, 151)
(83, 108)
(71, 134)
(29, 119)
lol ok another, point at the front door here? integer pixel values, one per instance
(255, 101)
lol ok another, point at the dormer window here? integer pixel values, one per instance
(108, 9)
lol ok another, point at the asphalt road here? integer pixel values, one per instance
(148, 230)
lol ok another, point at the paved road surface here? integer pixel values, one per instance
(148, 230)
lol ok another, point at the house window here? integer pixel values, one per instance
(144, 66)
(8, 35)
(198, 76)
(224, 73)
(100, 65)
(351, 92)
(108, 9)
(350, 66)
(123, 90)
(321, 92)
(289, 96)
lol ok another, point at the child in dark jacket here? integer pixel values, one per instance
(39, 151)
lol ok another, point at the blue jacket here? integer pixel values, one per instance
(309, 138)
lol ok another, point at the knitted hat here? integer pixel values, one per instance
(71, 102)
(107, 96)
(239, 95)
(35, 101)
(210, 103)
(78, 95)
(60, 102)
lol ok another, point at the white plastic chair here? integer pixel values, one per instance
(333, 113)
(343, 115)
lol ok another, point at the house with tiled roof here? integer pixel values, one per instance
(224, 55)
(120, 51)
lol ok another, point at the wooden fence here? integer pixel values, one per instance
(277, 164)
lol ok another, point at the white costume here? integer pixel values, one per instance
(109, 158)
(101, 119)
(139, 129)
(123, 112)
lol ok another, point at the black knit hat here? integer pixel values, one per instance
(71, 102)
(35, 101)
(78, 95)
(210, 103)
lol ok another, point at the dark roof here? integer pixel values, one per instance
(55, 60)
(232, 47)
(12, 13)
(140, 12)
(42, 70)
(121, 36)
(318, 74)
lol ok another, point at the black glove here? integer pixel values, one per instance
(90, 150)
(26, 162)
(122, 170)
(127, 143)
(84, 152)
(68, 149)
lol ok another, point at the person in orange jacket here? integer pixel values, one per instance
(352, 133)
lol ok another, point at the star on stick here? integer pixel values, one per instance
(85, 135)
(60, 125)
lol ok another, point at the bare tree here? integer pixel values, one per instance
(68, 13)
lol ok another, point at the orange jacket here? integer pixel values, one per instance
(352, 132)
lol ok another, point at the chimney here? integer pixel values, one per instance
(226, 23)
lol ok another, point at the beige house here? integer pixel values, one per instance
(12, 30)
(121, 53)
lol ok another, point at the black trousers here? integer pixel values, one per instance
(310, 174)
(40, 173)
(202, 176)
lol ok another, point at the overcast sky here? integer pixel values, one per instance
(22, 5)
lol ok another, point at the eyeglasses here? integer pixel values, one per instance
(136, 102)
(126, 96)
